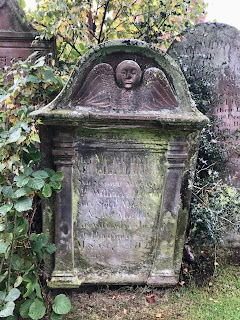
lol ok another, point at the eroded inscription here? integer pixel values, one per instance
(211, 52)
(119, 203)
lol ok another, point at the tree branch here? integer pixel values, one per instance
(103, 20)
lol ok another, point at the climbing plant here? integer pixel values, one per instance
(215, 202)
(23, 88)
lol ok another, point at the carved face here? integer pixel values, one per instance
(128, 74)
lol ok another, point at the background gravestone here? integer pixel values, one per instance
(124, 131)
(211, 51)
(16, 36)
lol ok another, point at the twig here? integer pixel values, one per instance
(103, 20)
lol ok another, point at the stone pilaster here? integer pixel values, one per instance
(163, 264)
(63, 274)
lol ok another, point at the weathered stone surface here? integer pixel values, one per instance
(211, 51)
(120, 217)
(16, 36)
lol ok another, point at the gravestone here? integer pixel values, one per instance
(212, 51)
(16, 36)
(124, 131)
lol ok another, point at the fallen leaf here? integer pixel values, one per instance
(185, 270)
(124, 311)
(158, 315)
(230, 283)
(115, 296)
(216, 263)
(151, 298)
(104, 309)
(210, 284)
(181, 283)
(213, 300)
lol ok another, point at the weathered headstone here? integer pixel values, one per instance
(16, 35)
(124, 131)
(211, 52)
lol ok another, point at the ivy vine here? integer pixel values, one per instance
(23, 88)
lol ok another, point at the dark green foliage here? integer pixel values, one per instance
(23, 88)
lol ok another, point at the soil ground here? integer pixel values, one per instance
(208, 290)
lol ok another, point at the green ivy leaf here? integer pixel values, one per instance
(18, 281)
(29, 288)
(3, 247)
(55, 185)
(41, 240)
(24, 308)
(15, 135)
(20, 193)
(8, 191)
(2, 295)
(5, 208)
(50, 249)
(23, 4)
(37, 310)
(35, 183)
(3, 277)
(33, 79)
(13, 295)
(61, 304)
(47, 191)
(49, 171)
(35, 137)
(41, 174)
(7, 309)
(17, 262)
(33, 237)
(28, 171)
(58, 176)
(23, 204)
(21, 180)
(54, 316)
(49, 76)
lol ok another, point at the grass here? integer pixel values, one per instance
(218, 298)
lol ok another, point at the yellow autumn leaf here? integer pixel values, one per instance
(44, 85)
(155, 28)
(35, 137)
(62, 29)
(120, 28)
(73, 9)
(8, 100)
(131, 19)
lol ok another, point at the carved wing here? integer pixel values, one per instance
(98, 88)
(156, 92)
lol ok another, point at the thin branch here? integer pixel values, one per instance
(60, 35)
(103, 20)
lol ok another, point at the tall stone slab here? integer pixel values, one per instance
(124, 131)
(211, 51)
(16, 35)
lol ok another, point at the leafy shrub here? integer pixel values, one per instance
(23, 88)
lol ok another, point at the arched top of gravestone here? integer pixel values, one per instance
(208, 50)
(125, 78)
(12, 19)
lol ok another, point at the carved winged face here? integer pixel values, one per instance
(128, 74)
